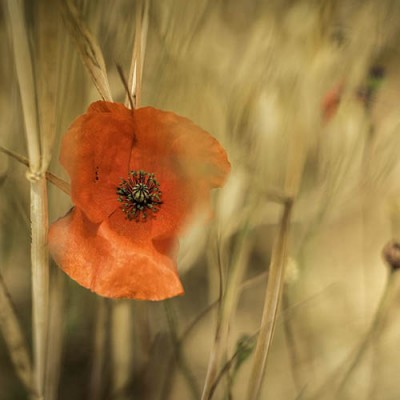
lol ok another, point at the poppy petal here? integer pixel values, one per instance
(95, 152)
(167, 135)
(111, 265)
(186, 160)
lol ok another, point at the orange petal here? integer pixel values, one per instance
(95, 152)
(196, 153)
(112, 265)
(186, 161)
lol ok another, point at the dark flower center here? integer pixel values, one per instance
(139, 194)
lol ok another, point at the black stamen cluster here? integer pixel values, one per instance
(139, 194)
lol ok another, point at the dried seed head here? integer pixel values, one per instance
(391, 254)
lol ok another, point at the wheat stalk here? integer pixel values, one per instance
(89, 50)
(39, 218)
(15, 339)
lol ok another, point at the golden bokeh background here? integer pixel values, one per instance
(255, 75)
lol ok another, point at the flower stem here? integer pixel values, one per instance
(179, 355)
(227, 309)
(272, 299)
(40, 279)
(372, 333)
(139, 47)
(55, 180)
(39, 217)
(14, 338)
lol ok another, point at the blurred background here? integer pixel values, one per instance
(304, 91)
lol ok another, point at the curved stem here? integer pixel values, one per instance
(371, 334)
(272, 300)
(54, 179)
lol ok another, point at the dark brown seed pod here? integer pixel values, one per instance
(391, 254)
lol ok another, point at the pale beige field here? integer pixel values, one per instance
(253, 73)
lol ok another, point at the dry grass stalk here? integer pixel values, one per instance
(121, 346)
(48, 49)
(90, 51)
(273, 295)
(40, 278)
(55, 343)
(99, 351)
(55, 180)
(39, 211)
(139, 47)
(23, 63)
(14, 338)
(226, 311)
(271, 303)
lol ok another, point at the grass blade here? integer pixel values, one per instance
(23, 63)
(40, 278)
(48, 55)
(139, 47)
(272, 299)
(14, 338)
(56, 324)
(90, 51)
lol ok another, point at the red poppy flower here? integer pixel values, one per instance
(136, 178)
(331, 101)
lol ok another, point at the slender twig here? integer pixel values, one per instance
(125, 83)
(139, 48)
(89, 49)
(336, 383)
(48, 76)
(244, 286)
(56, 328)
(179, 355)
(226, 368)
(14, 338)
(24, 66)
(54, 179)
(39, 210)
(228, 307)
(272, 299)
(372, 333)
(40, 278)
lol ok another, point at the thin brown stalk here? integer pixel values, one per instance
(372, 334)
(228, 307)
(272, 299)
(14, 338)
(54, 179)
(295, 166)
(139, 47)
(178, 351)
(244, 286)
(89, 49)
